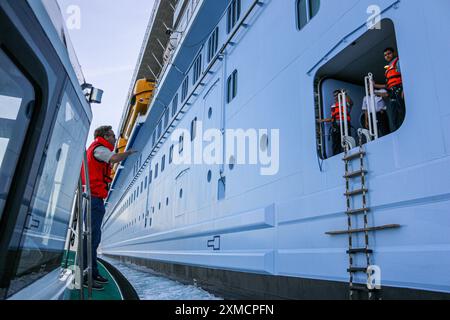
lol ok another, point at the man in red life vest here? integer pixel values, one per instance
(100, 158)
(394, 86)
(336, 121)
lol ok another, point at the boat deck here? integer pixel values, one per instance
(115, 290)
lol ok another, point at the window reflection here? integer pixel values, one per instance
(44, 239)
(16, 96)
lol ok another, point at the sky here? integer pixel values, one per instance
(107, 37)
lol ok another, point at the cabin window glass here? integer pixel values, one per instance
(184, 89)
(349, 70)
(213, 44)
(232, 88)
(171, 154)
(306, 10)
(193, 129)
(181, 144)
(43, 240)
(175, 105)
(166, 118)
(159, 129)
(197, 69)
(156, 170)
(233, 14)
(16, 103)
(163, 164)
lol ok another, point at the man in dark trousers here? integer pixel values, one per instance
(100, 158)
(335, 121)
(394, 85)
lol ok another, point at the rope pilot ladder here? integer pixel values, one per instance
(356, 195)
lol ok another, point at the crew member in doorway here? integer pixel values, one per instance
(380, 109)
(394, 85)
(335, 120)
(100, 158)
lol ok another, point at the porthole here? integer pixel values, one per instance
(209, 176)
(210, 112)
(264, 143)
(232, 163)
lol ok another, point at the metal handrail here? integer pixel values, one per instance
(88, 233)
(347, 141)
(343, 114)
(80, 249)
(371, 110)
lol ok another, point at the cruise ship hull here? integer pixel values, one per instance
(235, 230)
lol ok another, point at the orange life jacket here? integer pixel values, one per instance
(393, 77)
(336, 116)
(99, 172)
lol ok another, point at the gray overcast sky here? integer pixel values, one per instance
(107, 44)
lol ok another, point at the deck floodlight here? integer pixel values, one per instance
(93, 95)
(96, 95)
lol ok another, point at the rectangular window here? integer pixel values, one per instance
(16, 95)
(213, 44)
(166, 118)
(175, 105)
(233, 14)
(197, 69)
(232, 86)
(184, 89)
(44, 234)
(142, 186)
(171, 154)
(146, 182)
(306, 10)
(156, 170)
(150, 177)
(159, 129)
(163, 163)
(181, 144)
(193, 129)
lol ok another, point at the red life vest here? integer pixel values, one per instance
(99, 172)
(336, 116)
(393, 77)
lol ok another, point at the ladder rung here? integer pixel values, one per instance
(359, 250)
(361, 287)
(356, 192)
(385, 227)
(358, 211)
(356, 269)
(354, 156)
(355, 174)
